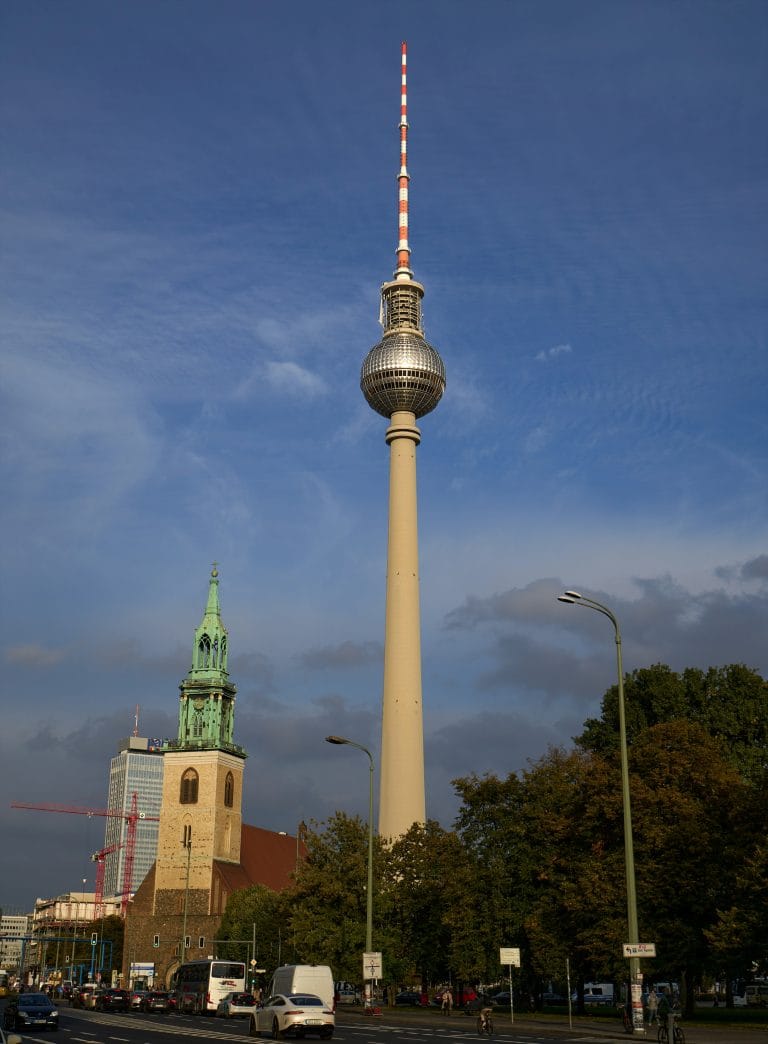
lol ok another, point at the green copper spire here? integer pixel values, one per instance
(209, 653)
(207, 701)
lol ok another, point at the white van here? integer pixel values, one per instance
(304, 978)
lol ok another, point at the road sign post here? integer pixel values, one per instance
(510, 955)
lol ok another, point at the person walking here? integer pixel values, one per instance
(652, 1005)
(447, 1001)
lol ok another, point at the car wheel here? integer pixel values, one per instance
(276, 1034)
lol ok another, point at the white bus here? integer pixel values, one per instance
(198, 986)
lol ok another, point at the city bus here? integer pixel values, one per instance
(198, 986)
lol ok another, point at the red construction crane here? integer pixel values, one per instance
(98, 858)
(132, 818)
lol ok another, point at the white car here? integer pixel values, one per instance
(294, 1014)
(235, 1004)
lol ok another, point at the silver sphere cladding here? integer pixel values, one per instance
(403, 372)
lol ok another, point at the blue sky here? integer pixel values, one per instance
(199, 207)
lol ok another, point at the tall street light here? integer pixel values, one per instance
(341, 740)
(574, 598)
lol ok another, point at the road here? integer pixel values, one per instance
(93, 1027)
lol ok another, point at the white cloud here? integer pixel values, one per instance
(552, 353)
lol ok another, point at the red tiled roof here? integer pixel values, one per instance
(266, 858)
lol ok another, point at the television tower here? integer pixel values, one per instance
(403, 378)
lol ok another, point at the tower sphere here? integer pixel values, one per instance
(403, 372)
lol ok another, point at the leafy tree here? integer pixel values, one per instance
(261, 914)
(430, 888)
(730, 703)
(328, 902)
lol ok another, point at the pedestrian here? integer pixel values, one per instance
(652, 1005)
(447, 1001)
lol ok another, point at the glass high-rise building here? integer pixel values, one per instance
(136, 769)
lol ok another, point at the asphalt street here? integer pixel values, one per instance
(352, 1027)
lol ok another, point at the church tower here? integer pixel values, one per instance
(204, 850)
(201, 815)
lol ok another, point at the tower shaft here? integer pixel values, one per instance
(402, 797)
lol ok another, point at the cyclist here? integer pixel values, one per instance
(485, 1022)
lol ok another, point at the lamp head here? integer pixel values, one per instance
(574, 595)
(565, 598)
(336, 739)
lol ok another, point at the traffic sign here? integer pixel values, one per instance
(639, 949)
(372, 965)
(509, 955)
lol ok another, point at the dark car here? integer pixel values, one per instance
(113, 1000)
(31, 1010)
(156, 1000)
(412, 997)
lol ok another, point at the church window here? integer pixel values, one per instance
(187, 838)
(204, 651)
(187, 941)
(229, 790)
(201, 943)
(197, 724)
(188, 794)
(215, 653)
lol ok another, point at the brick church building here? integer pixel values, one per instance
(204, 850)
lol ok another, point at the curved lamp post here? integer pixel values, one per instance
(342, 741)
(574, 598)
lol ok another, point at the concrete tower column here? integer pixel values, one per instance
(401, 798)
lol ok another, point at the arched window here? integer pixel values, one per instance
(229, 790)
(204, 651)
(215, 653)
(188, 794)
(197, 724)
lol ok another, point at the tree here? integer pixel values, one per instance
(730, 703)
(257, 914)
(328, 901)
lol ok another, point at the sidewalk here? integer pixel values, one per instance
(583, 1026)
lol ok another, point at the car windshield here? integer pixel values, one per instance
(306, 1000)
(242, 998)
(30, 1000)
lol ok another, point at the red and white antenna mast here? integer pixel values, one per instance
(403, 270)
(136, 721)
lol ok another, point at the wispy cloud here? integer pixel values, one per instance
(34, 656)
(552, 353)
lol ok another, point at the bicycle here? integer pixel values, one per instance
(485, 1022)
(663, 1035)
(626, 1019)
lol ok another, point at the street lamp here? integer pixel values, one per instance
(340, 740)
(574, 598)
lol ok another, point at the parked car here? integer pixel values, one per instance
(235, 1004)
(31, 1011)
(408, 997)
(295, 1014)
(113, 1000)
(155, 1000)
(137, 996)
